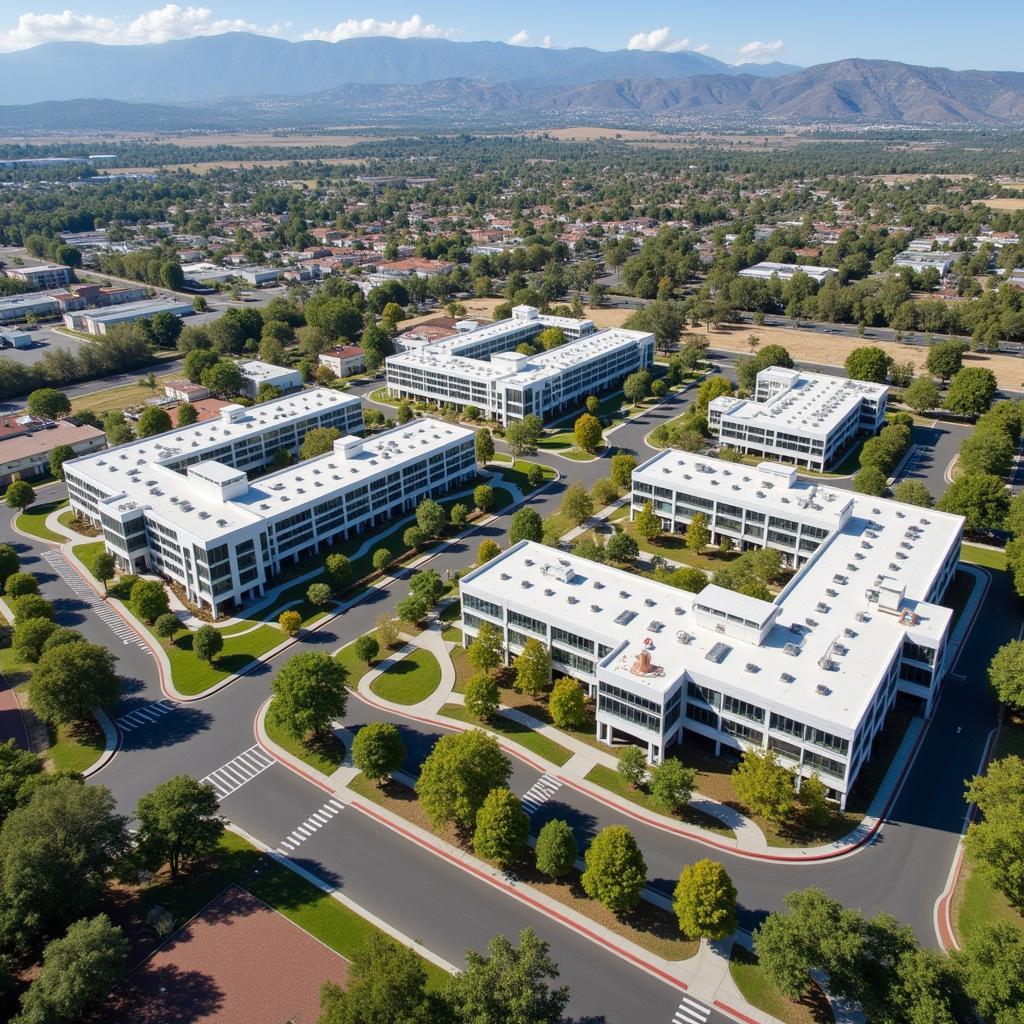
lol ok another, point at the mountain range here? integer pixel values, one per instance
(238, 79)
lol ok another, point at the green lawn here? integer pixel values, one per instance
(521, 734)
(325, 755)
(608, 778)
(760, 992)
(69, 520)
(410, 680)
(989, 558)
(237, 862)
(564, 444)
(73, 748)
(519, 472)
(86, 552)
(451, 614)
(673, 546)
(33, 520)
(192, 676)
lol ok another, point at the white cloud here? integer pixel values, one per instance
(756, 52)
(547, 42)
(521, 38)
(354, 28)
(155, 26)
(661, 39)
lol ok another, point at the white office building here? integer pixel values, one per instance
(99, 321)
(256, 373)
(810, 675)
(40, 276)
(810, 419)
(921, 261)
(482, 368)
(787, 271)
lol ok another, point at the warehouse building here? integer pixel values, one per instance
(810, 419)
(787, 271)
(810, 675)
(481, 368)
(99, 321)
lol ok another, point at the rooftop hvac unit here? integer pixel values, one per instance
(792, 649)
(822, 690)
(752, 668)
(862, 617)
(787, 678)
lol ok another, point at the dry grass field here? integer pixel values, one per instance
(1009, 205)
(665, 140)
(233, 165)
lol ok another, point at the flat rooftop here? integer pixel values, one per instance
(130, 309)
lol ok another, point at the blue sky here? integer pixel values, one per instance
(939, 33)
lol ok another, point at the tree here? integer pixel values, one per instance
(648, 525)
(483, 497)
(868, 363)
(814, 801)
(386, 985)
(637, 386)
(698, 536)
(482, 697)
(1006, 673)
(290, 622)
(971, 391)
(60, 636)
(366, 648)
(484, 446)
(981, 499)
(486, 551)
(187, 414)
(57, 852)
(672, 784)
(533, 668)
(198, 361)
(318, 441)
(148, 600)
(30, 606)
(577, 504)
(167, 626)
(764, 785)
(78, 971)
(458, 774)
(526, 524)
(870, 480)
(523, 436)
(153, 420)
(8, 562)
(387, 630)
(337, 571)
(223, 379)
(615, 872)
(621, 547)
(58, 457)
(711, 388)
(71, 680)
(587, 432)
(103, 567)
(913, 492)
(556, 850)
(632, 766)
(378, 750)
(178, 823)
(992, 963)
(412, 609)
(945, 359)
(29, 637)
(207, 643)
(623, 465)
(508, 985)
(20, 495)
(319, 594)
(987, 451)
(48, 404)
(380, 559)
(17, 767)
(431, 517)
(705, 901)
(922, 395)
(458, 515)
(502, 828)
(20, 583)
(486, 652)
(535, 475)
(567, 704)
(309, 692)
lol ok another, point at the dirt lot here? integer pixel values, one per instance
(237, 962)
(1010, 205)
(233, 165)
(662, 140)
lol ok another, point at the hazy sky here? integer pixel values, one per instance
(800, 32)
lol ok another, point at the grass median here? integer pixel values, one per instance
(515, 732)
(410, 679)
(322, 753)
(33, 520)
(760, 992)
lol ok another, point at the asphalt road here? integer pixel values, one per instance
(902, 872)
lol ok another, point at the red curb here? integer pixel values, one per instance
(726, 1008)
(288, 763)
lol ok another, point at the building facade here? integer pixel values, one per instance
(26, 444)
(481, 367)
(809, 419)
(256, 373)
(93, 321)
(43, 275)
(810, 675)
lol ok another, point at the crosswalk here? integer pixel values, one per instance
(691, 1012)
(312, 824)
(144, 714)
(539, 793)
(62, 567)
(239, 770)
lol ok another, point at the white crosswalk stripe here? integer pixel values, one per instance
(691, 1012)
(62, 567)
(239, 770)
(144, 714)
(539, 793)
(316, 821)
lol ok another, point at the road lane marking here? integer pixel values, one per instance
(230, 777)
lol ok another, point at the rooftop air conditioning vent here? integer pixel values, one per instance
(624, 594)
(792, 649)
(810, 622)
(822, 690)
(831, 592)
(718, 652)
(625, 617)
(822, 607)
(598, 585)
(650, 602)
(222, 522)
(787, 678)
(849, 633)
(752, 668)
(679, 610)
(548, 592)
(683, 637)
(596, 609)
(526, 584)
(862, 617)
(527, 561)
(655, 626)
(505, 576)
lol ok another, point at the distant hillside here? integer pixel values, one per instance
(238, 64)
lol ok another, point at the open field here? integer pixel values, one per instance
(122, 397)
(1011, 205)
(670, 140)
(275, 139)
(233, 165)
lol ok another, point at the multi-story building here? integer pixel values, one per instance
(810, 675)
(256, 373)
(482, 368)
(787, 271)
(40, 276)
(21, 307)
(922, 261)
(809, 419)
(94, 321)
(201, 522)
(343, 360)
(27, 443)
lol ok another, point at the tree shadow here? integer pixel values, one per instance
(177, 726)
(165, 995)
